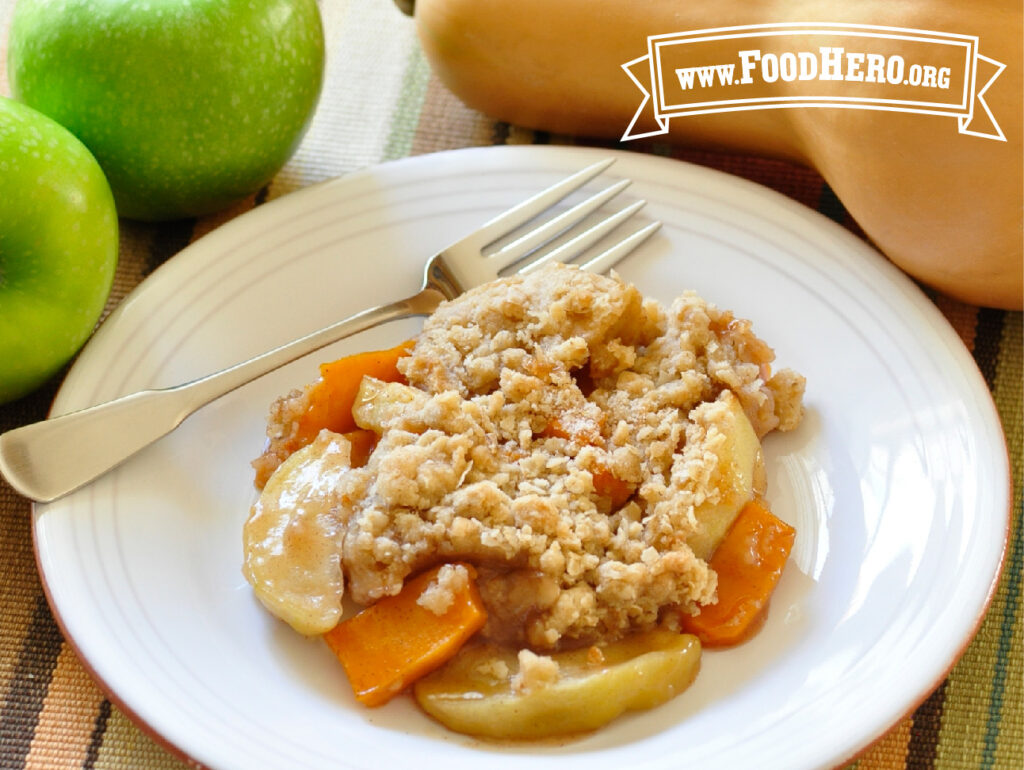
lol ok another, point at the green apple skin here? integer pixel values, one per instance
(188, 105)
(58, 247)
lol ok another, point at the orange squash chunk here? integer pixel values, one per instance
(749, 562)
(331, 397)
(391, 644)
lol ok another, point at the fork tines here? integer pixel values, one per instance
(561, 224)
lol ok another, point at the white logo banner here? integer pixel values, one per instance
(788, 65)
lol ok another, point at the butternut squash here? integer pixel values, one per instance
(944, 206)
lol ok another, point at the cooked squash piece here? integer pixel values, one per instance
(400, 638)
(749, 562)
(332, 396)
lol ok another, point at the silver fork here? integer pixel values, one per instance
(49, 459)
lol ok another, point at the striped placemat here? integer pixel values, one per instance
(380, 103)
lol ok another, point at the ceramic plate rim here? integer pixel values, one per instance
(294, 202)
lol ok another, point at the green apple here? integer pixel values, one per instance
(58, 247)
(188, 105)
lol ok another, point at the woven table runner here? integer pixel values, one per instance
(380, 102)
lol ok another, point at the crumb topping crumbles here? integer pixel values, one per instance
(558, 431)
(440, 594)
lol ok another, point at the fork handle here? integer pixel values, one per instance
(46, 460)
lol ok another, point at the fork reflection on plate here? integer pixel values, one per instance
(49, 459)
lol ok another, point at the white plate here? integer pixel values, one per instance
(897, 480)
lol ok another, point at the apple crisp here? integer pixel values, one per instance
(568, 437)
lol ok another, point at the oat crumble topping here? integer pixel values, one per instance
(557, 431)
